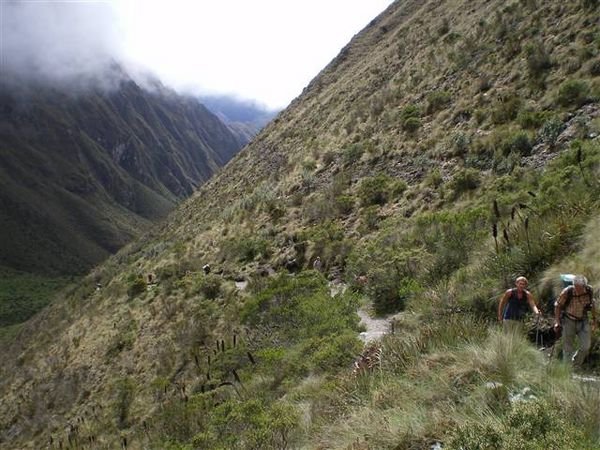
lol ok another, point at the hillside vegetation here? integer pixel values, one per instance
(451, 146)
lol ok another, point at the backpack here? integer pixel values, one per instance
(588, 290)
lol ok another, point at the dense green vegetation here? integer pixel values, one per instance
(23, 294)
(295, 330)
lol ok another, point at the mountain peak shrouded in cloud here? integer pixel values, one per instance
(59, 43)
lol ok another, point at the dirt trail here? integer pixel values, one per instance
(375, 328)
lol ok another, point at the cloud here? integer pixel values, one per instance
(267, 50)
(58, 42)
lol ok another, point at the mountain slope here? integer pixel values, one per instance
(84, 173)
(426, 133)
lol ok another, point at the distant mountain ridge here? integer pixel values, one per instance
(82, 174)
(245, 117)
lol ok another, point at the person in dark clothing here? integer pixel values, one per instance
(514, 304)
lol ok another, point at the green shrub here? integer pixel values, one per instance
(374, 190)
(573, 93)
(304, 319)
(383, 288)
(411, 124)
(538, 60)
(209, 285)
(397, 188)
(465, 180)
(136, 286)
(530, 425)
(245, 248)
(352, 154)
(516, 143)
(335, 351)
(446, 239)
(434, 178)
(594, 67)
(460, 143)
(532, 119)
(410, 118)
(124, 394)
(369, 219)
(344, 204)
(550, 131)
(504, 142)
(248, 424)
(328, 242)
(409, 111)
(438, 100)
(590, 4)
(328, 158)
(506, 109)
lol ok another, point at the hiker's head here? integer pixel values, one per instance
(579, 280)
(521, 282)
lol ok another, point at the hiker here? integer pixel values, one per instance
(317, 264)
(206, 269)
(512, 306)
(571, 319)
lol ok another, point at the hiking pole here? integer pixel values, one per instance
(537, 331)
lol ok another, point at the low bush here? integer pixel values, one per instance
(530, 425)
(464, 180)
(245, 248)
(538, 60)
(437, 101)
(352, 154)
(136, 286)
(410, 118)
(507, 108)
(550, 131)
(317, 331)
(374, 190)
(411, 124)
(573, 93)
(208, 285)
(532, 119)
(124, 393)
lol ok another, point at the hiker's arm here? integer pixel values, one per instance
(532, 304)
(501, 305)
(559, 307)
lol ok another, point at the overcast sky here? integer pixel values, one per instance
(265, 50)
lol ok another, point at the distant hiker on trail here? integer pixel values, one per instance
(317, 264)
(571, 317)
(206, 268)
(513, 305)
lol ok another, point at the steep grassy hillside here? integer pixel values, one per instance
(449, 147)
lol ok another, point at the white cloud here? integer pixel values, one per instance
(56, 41)
(266, 50)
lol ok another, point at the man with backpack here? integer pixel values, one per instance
(514, 304)
(571, 319)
